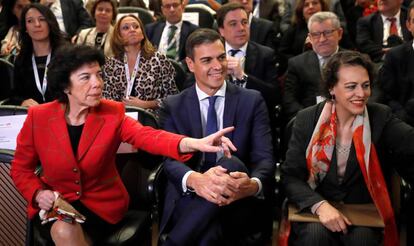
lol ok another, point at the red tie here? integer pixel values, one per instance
(393, 26)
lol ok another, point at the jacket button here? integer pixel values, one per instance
(78, 193)
(76, 181)
(75, 170)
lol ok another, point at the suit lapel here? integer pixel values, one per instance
(230, 106)
(251, 55)
(194, 114)
(93, 125)
(59, 129)
(378, 28)
(158, 33)
(183, 34)
(65, 11)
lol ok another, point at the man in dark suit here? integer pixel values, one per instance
(262, 31)
(159, 32)
(378, 32)
(396, 76)
(70, 14)
(248, 60)
(304, 71)
(211, 200)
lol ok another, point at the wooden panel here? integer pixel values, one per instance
(12, 210)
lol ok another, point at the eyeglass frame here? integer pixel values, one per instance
(326, 34)
(173, 5)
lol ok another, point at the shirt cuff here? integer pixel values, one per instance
(184, 181)
(316, 206)
(259, 192)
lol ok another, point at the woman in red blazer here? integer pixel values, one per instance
(75, 138)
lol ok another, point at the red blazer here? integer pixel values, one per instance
(91, 176)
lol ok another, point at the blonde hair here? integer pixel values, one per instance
(118, 44)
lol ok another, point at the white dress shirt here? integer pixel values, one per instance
(163, 46)
(387, 25)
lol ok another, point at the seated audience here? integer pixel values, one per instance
(10, 43)
(137, 75)
(379, 31)
(342, 151)
(154, 5)
(303, 80)
(169, 35)
(210, 200)
(39, 38)
(75, 138)
(295, 40)
(250, 65)
(396, 76)
(262, 31)
(71, 16)
(104, 14)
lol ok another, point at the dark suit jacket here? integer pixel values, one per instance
(75, 16)
(302, 83)
(263, 32)
(370, 34)
(154, 33)
(396, 78)
(91, 175)
(244, 109)
(393, 140)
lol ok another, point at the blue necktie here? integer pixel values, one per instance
(211, 127)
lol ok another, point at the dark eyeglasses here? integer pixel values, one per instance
(326, 34)
(173, 5)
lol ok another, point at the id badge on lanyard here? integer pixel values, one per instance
(42, 88)
(131, 78)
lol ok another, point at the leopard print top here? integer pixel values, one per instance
(154, 80)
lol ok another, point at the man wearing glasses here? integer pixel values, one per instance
(170, 34)
(304, 71)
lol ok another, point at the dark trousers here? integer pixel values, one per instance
(196, 221)
(317, 234)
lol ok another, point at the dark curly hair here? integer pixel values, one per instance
(68, 59)
(340, 59)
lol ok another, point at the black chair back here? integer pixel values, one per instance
(13, 218)
(6, 110)
(180, 75)
(6, 75)
(143, 14)
(205, 17)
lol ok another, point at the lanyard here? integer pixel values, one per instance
(130, 79)
(41, 88)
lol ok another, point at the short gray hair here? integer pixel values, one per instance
(323, 16)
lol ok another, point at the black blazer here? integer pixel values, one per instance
(262, 32)
(370, 34)
(154, 33)
(75, 16)
(261, 68)
(394, 142)
(396, 78)
(302, 83)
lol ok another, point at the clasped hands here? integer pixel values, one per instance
(235, 67)
(220, 187)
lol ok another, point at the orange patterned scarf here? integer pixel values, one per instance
(319, 156)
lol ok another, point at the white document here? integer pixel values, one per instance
(9, 129)
(191, 17)
(126, 147)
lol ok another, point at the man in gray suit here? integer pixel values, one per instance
(304, 71)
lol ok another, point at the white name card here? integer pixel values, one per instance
(9, 129)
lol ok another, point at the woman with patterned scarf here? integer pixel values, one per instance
(341, 151)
